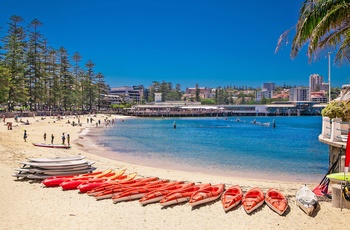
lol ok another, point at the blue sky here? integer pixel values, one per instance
(212, 43)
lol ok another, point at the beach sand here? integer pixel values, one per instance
(27, 204)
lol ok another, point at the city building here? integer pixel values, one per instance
(157, 97)
(128, 94)
(264, 93)
(269, 86)
(315, 82)
(319, 97)
(204, 92)
(299, 94)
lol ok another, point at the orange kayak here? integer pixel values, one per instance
(74, 183)
(231, 197)
(276, 201)
(116, 189)
(253, 199)
(138, 192)
(206, 194)
(159, 194)
(91, 184)
(111, 184)
(55, 181)
(182, 195)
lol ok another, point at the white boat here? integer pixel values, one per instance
(56, 146)
(50, 165)
(306, 200)
(57, 159)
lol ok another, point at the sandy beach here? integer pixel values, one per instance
(27, 204)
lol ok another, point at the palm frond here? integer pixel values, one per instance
(282, 40)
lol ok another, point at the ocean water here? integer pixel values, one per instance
(229, 146)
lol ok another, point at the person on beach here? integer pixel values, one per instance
(44, 136)
(63, 139)
(25, 136)
(3, 118)
(68, 140)
(174, 124)
(52, 138)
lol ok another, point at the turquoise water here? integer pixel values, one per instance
(291, 151)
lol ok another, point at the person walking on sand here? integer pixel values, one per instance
(52, 138)
(63, 139)
(25, 136)
(68, 140)
(44, 136)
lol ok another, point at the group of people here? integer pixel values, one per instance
(64, 138)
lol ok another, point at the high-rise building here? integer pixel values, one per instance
(315, 83)
(299, 94)
(269, 86)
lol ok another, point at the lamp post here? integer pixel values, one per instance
(329, 77)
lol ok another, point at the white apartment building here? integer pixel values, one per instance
(263, 94)
(299, 94)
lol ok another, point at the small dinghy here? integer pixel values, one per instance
(207, 194)
(253, 199)
(306, 200)
(276, 201)
(231, 197)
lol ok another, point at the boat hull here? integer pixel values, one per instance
(276, 201)
(306, 200)
(253, 199)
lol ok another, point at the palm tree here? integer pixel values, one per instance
(323, 24)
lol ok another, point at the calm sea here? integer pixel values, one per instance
(228, 146)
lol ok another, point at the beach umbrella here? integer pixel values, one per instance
(347, 155)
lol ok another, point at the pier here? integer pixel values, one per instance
(179, 109)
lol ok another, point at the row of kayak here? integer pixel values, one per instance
(121, 187)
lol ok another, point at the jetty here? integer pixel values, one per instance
(183, 109)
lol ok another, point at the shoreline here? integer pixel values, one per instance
(51, 208)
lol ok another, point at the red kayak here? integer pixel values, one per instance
(138, 192)
(157, 195)
(109, 185)
(253, 199)
(231, 197)
(182, 195)
(206, 194)
(89, 185)
(55, 181)
(276, 201)
(118, 188)
(74, 183)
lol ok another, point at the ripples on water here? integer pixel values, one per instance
(291, 150)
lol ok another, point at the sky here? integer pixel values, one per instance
(206, 42)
